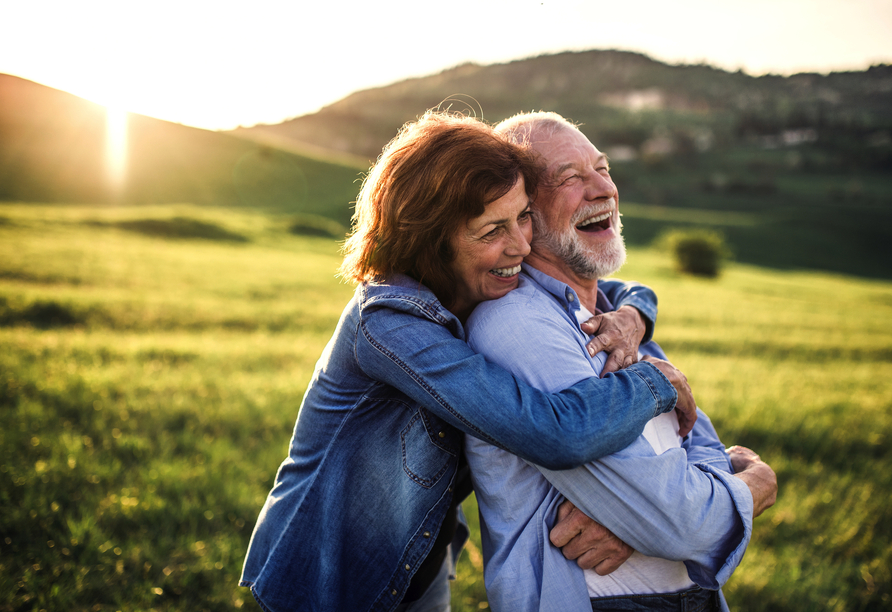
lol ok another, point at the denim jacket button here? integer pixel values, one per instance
(393, 592)
(427, 534)
(408, 567)
(442, 435)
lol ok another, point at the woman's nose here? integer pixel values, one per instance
(520, 241)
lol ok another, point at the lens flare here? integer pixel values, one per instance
(116, 147)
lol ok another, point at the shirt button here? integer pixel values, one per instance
(569, 297)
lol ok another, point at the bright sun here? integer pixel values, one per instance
(116, 147)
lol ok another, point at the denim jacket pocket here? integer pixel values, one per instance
(429, 448)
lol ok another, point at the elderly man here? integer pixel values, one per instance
(685, 506)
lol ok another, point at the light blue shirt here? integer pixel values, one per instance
(682, 505)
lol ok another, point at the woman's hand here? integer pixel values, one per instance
(617, 333)
(685, 406)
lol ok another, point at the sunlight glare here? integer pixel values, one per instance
(116, 147)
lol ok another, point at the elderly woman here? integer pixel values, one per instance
(363, 510)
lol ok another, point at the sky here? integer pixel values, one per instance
(217, 65)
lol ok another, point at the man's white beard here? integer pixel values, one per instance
(584, 261)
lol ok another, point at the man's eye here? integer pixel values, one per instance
(569, 178)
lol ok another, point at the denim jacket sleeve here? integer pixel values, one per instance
(402, 343)
(634, 294)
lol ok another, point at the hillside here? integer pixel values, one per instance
(53, 149)
(807, 158)
(619, 97)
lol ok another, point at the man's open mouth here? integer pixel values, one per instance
(506, 272)
(597, 223)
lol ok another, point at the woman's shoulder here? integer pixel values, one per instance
(399, 292)
(398, 296)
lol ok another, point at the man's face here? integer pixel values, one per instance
(577, 208)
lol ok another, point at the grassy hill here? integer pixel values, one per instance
(795, 171)
(149, 383)
(807, 158)
(53, 149)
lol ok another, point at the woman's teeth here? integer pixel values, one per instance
(597, 219)
(506, 272)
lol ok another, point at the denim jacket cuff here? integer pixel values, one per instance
(663, 391)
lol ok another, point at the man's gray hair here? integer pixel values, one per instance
(526, 128)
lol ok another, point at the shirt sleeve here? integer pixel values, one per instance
(634, 294)
(426, 362)
(665, 506)
(662, 505)
(704, 447)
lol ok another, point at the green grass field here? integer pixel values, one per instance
(152, 361)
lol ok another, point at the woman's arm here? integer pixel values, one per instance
(592, 419)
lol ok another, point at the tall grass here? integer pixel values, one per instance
(149, 384)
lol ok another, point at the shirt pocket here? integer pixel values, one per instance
(430, 448)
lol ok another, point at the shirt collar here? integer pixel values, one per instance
(564, 293)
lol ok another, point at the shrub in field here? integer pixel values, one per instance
(698, 252)
(181, 227)
(313, 225)
(41, 314)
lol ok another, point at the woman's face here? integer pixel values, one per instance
(489, 248)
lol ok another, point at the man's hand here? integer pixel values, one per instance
(618, 333)
(757, 475)
(590, 544)
(685, 406)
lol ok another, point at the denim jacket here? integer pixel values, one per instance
(358, 503)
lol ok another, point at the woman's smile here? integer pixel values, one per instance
(489, 250)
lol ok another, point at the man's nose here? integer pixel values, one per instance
(598, 186)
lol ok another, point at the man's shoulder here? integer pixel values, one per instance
(528, 310)
(529, 296)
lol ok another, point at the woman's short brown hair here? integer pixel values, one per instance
(438, 173)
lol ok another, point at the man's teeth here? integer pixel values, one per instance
(506, 272)
(597, 219)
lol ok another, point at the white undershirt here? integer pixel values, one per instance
(640, 573)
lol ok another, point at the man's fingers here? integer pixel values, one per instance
(604, 556)
(598, 344)
(610, 564)
(568, 525)
(593, 325)
(615, 361)
(564, 510)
